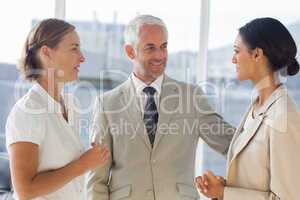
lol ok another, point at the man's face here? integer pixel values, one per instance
(151, 53)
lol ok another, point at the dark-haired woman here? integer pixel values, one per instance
(263, 159)
(47, 158)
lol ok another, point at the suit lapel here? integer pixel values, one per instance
(238, 131)
(169, 100)
(248, 135)
(132, 108)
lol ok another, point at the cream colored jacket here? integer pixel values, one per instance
(266, 164)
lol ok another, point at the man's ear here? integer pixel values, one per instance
(130, 51)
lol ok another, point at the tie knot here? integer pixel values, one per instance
(149, 90)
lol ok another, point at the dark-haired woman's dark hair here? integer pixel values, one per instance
(276, 42)
(48, 32)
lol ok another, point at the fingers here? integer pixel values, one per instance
(221, 179)
(200, 184)
(94, 145)
(210, 176)
(209, 184)
(197, 182)
(102, 151)
(104, 157)
(104, 154)
(100, 147)
(205, 179)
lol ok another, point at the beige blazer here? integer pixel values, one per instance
(266, 163)
(137, 171)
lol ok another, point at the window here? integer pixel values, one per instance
(16, 18)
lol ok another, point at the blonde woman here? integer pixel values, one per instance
(47, 158)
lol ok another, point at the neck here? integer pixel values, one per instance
(52, 87)
(146, 80)
(266, 86)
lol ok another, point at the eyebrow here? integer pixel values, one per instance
(235, 46)
(151, 44)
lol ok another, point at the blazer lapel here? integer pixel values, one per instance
(237, 133)
(249, 134)
(169, 100)
(134, 113)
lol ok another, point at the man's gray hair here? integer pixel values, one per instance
(132, 31)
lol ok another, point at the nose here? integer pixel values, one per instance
(160, 53)
(82, 58)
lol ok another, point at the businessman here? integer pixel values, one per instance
(152, 125)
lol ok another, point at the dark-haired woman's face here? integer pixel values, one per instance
(66, 57)
(243, 59)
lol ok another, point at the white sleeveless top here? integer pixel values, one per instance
(37, 118)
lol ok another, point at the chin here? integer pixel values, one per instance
(157, 73)
(73, 78)
(242, 78)
(239, 77)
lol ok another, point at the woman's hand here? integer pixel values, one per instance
(210, 185)
(97, 155)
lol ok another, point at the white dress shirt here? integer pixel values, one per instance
(37, 118)
(139, 85)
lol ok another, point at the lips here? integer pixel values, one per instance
(157, 64)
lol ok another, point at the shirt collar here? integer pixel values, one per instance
(140, 85)
(51, 103)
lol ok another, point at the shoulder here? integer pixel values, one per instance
(182, 86)
(110, 99)
(284, 115)
(117, 91)
(283, 106)
(30, 104)
(26, 121)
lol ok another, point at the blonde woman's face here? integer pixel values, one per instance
(67, 57)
